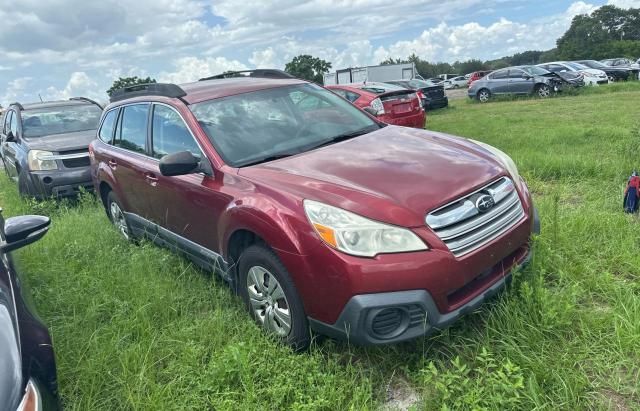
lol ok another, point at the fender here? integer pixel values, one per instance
(101, 173)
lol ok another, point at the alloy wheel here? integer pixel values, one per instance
(544, 91)
(611, 78)
(117, 216)
(483, 96)
(268, 301)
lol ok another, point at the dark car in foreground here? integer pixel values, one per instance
(27, 363)
(389, 103)
(433, 95)
(321, 217)
(527, 80)
(44, 146)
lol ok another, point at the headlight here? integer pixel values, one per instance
(504, 159)
(356, 235)
(41, 160)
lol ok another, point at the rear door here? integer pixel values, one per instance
(128, 159)
(499, 82)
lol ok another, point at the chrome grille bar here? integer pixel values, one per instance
(463, 228)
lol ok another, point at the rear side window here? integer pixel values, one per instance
(502, 74)
(7, 119)
(13, 124)
(170, 134)
(132, 132)
(347, 94)
(108, 125)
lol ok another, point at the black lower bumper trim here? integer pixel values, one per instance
(354, 323)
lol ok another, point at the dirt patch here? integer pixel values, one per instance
(456, 94)
(401, 396)
(615, 401)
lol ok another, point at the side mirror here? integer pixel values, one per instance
(371, 111)
(24, 230)
(179, 164)
(527, 77)
(9, 137)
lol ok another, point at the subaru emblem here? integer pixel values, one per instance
(484, 203)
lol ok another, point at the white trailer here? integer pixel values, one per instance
(388, 72)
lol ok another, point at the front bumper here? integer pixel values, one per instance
(392, 317)
(56, 183)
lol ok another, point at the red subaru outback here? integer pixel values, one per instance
(322, 218)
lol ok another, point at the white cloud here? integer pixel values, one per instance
(79, 84)
(625, 4)
(15, 89)
(192, 68)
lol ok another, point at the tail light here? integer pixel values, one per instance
(421, 95)
(377, 106)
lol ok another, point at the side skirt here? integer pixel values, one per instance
(203, 257)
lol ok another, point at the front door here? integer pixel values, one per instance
(187, 206)
(520, 82)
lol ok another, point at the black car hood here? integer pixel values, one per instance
(62, 142)
(10, 363)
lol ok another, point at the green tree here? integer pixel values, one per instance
(308, 67)
(123, 82)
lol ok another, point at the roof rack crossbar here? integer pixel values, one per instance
(148, 89)
(88, 100)
(17, 104)
(260, 73)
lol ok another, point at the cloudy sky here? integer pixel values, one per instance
(63, 48)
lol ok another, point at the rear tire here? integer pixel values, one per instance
(483, 95)
(117, 216)
(271, 297)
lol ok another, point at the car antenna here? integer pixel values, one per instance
(42, 101)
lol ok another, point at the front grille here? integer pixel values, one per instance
(75, 162)
(464, 228)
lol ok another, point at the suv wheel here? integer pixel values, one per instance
(271, 297)
(116, 215)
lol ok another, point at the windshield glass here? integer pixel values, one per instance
(252, 127)
(576, 66)
(535, 71)
(60, 120)
(593, 64)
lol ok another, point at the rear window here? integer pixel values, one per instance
(60, 120)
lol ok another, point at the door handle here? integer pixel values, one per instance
(113, 164)
(151, 178)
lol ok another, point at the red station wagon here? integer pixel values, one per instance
(320, 216)
(391, 104)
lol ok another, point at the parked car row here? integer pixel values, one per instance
(319, 215)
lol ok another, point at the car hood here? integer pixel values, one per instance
(62, 142)
(394, 174)
(595, 72)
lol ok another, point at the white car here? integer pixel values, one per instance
(592, 77)
(455, 82)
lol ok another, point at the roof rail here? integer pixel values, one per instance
(148, 89)
(17, 104)
(260, 73)
(88, 100)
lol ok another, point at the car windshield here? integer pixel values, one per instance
(535, 71)
(576, 66)
(259, 126)
(60, 120)
(593, 64)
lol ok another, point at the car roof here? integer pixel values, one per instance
(49, 104)
(360, 87)
(211, 89)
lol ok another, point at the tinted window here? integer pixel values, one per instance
(347, 94)
(13, 123)
(7, 119)
(516, 74)
(535, 71)
(132, 133)
(502, 74)
(251, 127)
(60, 120)
(109, 123)
(170, 134)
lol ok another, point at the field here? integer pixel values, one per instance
(136, 327)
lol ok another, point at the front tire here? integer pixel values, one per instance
(271, 297)
(543, 91)
(483, 95)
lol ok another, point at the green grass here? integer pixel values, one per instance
(136, 327)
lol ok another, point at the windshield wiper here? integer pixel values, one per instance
(267, 159)
(346, 136)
